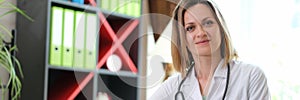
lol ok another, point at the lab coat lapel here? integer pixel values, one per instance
(218, 82)
(191, 88)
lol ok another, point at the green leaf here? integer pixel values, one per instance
(6, 60)
(18, 65)
(5, 29)
(1, 2)
(12, 48)
(8, 12)
(1, 37)
(20, 11)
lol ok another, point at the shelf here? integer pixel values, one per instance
(63, 83)
(76, 6)
(118, 88)
(119, 35)
(114, 33)
(119, 73)
(70, 69)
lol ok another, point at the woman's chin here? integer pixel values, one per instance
(203, 53)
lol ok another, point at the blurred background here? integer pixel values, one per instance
(264, 32)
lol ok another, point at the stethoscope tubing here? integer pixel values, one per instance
(189, 71)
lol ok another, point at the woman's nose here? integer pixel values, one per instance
(200, 32)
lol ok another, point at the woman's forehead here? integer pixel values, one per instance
(197, 12)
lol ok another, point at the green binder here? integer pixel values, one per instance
(56, 36)
(79, 29)
(105, 4)
(122, 6)
(137, 8)
(131, 8)
(114, 5)
(68, 49)
(91, 37)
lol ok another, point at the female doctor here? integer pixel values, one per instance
(203, 53)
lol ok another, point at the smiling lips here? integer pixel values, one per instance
(202, 42)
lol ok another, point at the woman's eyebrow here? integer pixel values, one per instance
(189, 23)
(205, 19)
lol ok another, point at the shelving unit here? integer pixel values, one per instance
(118, 34)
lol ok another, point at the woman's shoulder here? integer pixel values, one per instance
(252, 76)
(247, 68)
(173, 80)
(167, 89)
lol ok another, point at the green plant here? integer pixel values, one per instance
(9, 62)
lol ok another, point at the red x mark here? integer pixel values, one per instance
(118, 42)
(117, 46)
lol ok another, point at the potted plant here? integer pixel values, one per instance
(9, 64)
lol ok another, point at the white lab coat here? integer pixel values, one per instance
(247, 82)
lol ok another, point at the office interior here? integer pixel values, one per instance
(129, 55)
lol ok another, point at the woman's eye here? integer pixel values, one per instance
(189, 28)
(208, 23)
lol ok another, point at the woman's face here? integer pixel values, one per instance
(202, 31)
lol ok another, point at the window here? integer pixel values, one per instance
(266, 33)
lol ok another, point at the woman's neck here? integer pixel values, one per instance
(204, 69)
(206, 65)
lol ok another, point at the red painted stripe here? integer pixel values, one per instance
(124, 54)
(105, 23)
(128, 30)
(81, 86)
(117, 44)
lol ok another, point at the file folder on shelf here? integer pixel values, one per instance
(114, 5)
(105, 4)
(79, 39)
(122, 6)
(91, 37)
(130, 7)
(68, 38)
(137, 8)
(56, 36)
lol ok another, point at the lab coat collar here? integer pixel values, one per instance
(221, 70)
(191, 87)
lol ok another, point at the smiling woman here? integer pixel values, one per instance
(202, 32)
(201, 44)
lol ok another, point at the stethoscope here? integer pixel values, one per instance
(189, 71)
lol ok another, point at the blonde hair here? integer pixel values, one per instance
(180, 54)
